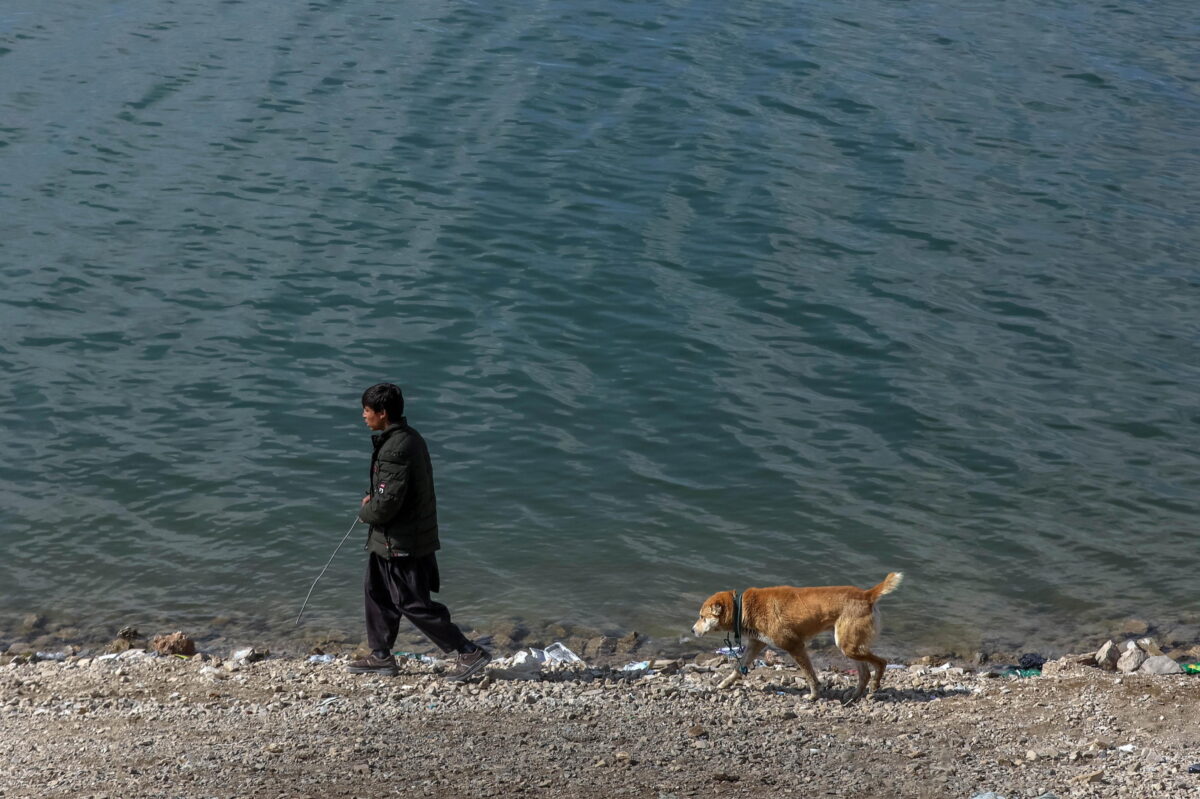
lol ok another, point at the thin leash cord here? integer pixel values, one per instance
(322, 574)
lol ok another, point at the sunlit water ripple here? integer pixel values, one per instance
(684, 297)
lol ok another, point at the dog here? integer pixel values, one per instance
(786, 617)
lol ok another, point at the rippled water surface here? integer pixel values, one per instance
(685, 296)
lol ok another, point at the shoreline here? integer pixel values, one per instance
(210, 725)
(36, 632)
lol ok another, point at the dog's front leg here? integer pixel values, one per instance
(753, 650)
(800, 654)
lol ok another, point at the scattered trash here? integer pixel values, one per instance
(557, 652)
(524, 665)
(320, 658)
(988, 795)
(894, 666)
(426, 659)
(1194, 768)
(943, 667)
(731, 651)
(59, 656)
(1191, 668)
(641, 665)
(1126, 748)
(1031, 660)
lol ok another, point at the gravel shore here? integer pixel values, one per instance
(138, 725)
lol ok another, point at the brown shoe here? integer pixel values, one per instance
(467, 664)
(373, 665)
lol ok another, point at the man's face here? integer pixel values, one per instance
(376, 420)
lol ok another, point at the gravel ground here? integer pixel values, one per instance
(148, 726)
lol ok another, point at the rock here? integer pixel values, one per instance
(628, 643)
(1108, 655)
(1031, 660)
(1149, 646)
(1135, 627)
(32, 623)
(174, 644)
(1131, 659)
(127, 638)
(1160, 664)
(697, 732)
(1067, 664)
(250, 655)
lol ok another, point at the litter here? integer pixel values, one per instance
(527, 663)
(426, 659)
(641, 665)
(320, 659)
(557, 652)
(60, 656)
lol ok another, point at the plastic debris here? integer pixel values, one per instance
(1194, 768)
(1031, 660)
(320, 658)
(557, 652)
(1126, 748)
(1191, 668)
(641, 665)
(426, 659)
(988, 795)
(524, 665)
(59, 656)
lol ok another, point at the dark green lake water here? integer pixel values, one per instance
(684, 296)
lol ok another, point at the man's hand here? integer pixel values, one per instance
(365, 500)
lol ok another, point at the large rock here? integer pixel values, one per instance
(1131, 659)
(1149, 646)
(127, 638)
(174, 644)
(1135, 627)
(1160, 664)
(1107, 656)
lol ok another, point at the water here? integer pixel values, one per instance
(685, 297)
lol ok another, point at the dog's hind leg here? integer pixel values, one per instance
(853, 637)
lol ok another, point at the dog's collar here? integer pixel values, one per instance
(737, 618)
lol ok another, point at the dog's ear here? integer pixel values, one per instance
(718, 608)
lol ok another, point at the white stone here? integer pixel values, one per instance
(1107, 656)
(1131, 659)
(1160, 664)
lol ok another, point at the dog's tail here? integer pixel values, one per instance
(889, 584)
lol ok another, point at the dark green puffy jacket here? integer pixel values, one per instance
(402, 510)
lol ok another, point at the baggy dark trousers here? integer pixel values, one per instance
(396, 588)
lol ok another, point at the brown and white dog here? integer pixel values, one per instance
(786, 617)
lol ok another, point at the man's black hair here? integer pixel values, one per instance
(385, 397)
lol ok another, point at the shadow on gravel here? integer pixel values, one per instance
(883, 696)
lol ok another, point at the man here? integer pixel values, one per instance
(402, 569)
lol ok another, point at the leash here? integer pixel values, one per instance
(735, 646)
(322, 574)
